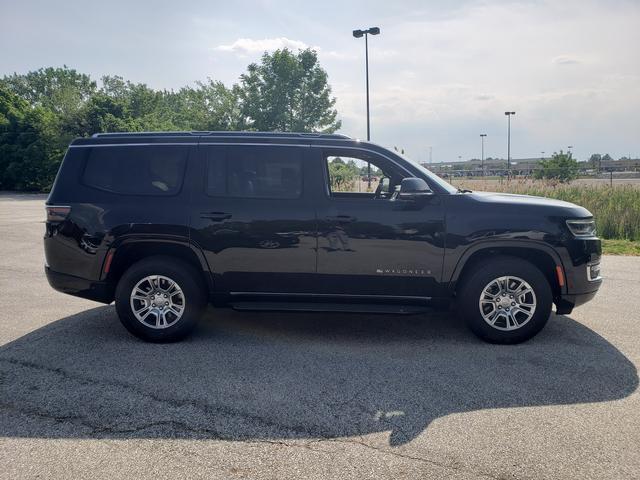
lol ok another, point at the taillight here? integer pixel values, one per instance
(56, 213)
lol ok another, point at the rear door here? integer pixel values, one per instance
(254, 219)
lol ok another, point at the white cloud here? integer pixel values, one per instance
(244, 47)
(565, 60)
(247, 46)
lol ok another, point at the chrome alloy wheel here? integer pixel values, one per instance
(269, 244)
(157, 301)
(507, 303)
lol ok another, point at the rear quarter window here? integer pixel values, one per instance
(254, 172)
(136, 170)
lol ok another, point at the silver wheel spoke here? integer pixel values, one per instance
(157, 295)
(492, 319)
(513, 303)
(169, 287)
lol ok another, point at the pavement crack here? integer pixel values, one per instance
(399, 454)
(207, 410)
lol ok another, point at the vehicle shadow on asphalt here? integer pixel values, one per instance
(279, 376)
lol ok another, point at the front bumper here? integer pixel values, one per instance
(79, 287)
(567, 302)
(589, 281)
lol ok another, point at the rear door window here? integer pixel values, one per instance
(254, 172)
(136, 170)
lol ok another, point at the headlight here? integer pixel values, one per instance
(582, 228)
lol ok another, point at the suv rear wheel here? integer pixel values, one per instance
(159, 299)
(505, 300)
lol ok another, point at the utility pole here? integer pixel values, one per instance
(482, 135)
(508, 114)
(358, 34)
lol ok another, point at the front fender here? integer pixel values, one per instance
(452, 273)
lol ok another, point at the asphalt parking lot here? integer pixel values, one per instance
(264, 395)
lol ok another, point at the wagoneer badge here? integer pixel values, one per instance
(402, 271)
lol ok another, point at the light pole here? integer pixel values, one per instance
(358, 34)
(482, 135)
(508, 114)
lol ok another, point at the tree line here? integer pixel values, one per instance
(43, 110)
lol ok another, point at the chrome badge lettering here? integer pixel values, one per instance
(401, 270)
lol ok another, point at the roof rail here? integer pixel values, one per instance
(224, 134)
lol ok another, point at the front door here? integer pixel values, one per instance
(254, 219)
(370, 242)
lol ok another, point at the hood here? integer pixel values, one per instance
(529, 202)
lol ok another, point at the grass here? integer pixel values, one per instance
(620, 247)
(616, 209)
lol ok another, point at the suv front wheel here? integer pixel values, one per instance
(505, 300)
(159, 299)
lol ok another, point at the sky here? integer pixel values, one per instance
(441, 72)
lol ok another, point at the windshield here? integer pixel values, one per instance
(432, 176)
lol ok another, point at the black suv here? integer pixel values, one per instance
(164, 223)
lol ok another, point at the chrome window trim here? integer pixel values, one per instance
(325, 167)
(93, 145)
(201, 143)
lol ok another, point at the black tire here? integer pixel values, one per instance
(475, 281)
(188, 281)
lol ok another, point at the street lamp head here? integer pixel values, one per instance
(483, 134)
(374, 30)
(358, 33)
(509, 113)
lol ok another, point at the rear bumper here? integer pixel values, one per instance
(79, 287)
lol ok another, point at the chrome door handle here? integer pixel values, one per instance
(216, 216)
(342, 219)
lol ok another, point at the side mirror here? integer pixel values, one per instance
(414, 188)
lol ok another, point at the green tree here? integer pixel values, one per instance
(121, 105)
(561, 166)
(29, 157)
(595, 159)
(61, 90)
(209, 105)
(43, 110)
(342, 175)
(287, 92)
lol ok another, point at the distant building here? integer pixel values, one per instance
(521, 166)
